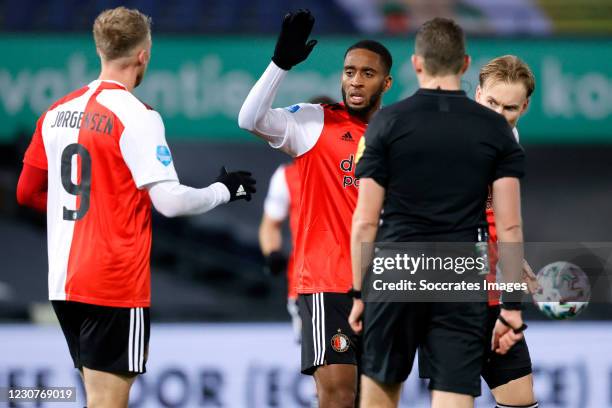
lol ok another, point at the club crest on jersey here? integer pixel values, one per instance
(293, 108)
(163, 155)
(340, 342)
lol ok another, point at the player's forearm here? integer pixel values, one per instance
(270, 236)
(37, 201)
(362, 232)
(32, 188)
(257, 115)
(172, 199)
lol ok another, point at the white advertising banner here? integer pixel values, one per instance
(257, 365)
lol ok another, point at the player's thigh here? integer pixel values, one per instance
(516, 392)
(379, 395)
(444, 399)
(106, 390)
(336, 378)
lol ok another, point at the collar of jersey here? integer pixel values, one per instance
(98, 81)
(429, 91)
(352, 117)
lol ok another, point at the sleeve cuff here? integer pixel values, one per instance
(221, 192)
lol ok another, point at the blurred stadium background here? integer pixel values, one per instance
(221, 335)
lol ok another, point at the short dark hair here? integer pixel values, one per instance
(441, 43)
(375, 47)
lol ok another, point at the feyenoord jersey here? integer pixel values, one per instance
(101, 146)
(282, 201)
(323, 139)
(494, 295)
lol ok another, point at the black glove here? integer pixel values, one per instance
(239, 183)
(276, 263)
(291, 46)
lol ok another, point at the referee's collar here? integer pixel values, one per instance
(438, 91)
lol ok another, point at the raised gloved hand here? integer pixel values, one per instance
(292, 46)
(240, 184)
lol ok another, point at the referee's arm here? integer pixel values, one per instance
(507, 208)
(363, 231)
(373, 174)
(365, 225)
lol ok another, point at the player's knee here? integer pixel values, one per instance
(340, 398)
(337, 393)
(97, 399)
(99, 396)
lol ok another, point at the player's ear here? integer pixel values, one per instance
(478, 94)
(388, 83)
(525, 106)
(466, 63)
(143, 57)
(417, 63)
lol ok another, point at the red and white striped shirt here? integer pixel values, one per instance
(100, 146)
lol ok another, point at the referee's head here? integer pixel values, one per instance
(439, 50)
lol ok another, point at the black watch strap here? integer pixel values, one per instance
(505, 323)
(512, 305)
(355, 294)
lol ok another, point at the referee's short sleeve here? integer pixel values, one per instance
(373, 162)
(511, 161)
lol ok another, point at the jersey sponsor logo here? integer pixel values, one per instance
(340, 342)
(163, 155)
(347, 166)
(84, 120)
(293, 108)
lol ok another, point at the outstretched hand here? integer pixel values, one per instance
(240, 184)
(292, 45)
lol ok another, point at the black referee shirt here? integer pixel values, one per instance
(436, 153)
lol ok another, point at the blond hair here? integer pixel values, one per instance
(118, 31)
(509, 69)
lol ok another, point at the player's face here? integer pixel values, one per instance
(507, 99)
(364, 80)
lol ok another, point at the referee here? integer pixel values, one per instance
(427, 163)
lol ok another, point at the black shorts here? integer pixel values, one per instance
(327, 337)
(450, 338)
(501, 369)
(111, 339)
